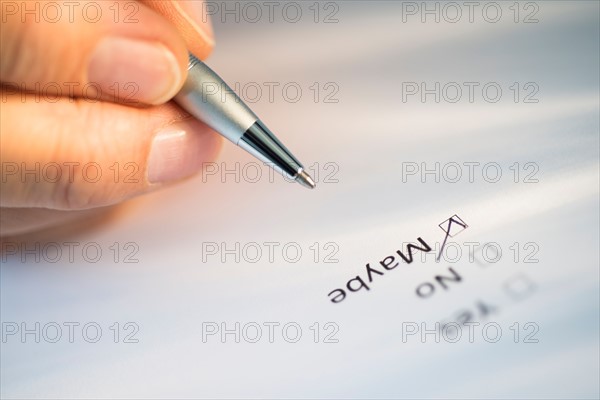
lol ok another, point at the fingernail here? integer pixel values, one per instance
(179, 151)
(150, 66)
(196, 13)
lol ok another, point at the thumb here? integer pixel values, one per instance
(105, 154)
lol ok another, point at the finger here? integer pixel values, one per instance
(192, 20)
(21, 221)
(77, 154)
(108, 50)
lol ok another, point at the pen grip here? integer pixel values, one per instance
(207, 97)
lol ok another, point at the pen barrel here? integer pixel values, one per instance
(207, 97)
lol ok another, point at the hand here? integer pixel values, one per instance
(83, 119)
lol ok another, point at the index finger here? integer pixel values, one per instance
(191, 20)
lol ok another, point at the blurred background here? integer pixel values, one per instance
(406, 113)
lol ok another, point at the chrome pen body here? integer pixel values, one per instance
(207, 97)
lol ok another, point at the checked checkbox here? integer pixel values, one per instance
(453, 225)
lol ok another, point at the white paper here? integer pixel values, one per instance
(177, 291)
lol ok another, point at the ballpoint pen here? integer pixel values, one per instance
(208, 98)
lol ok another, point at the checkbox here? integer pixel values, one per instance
(519, 287)
(453, 225)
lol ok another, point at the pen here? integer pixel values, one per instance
(208, 98)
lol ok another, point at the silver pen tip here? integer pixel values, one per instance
(305, 180)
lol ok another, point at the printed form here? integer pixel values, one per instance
(450, 248)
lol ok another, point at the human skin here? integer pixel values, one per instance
(86, 120)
